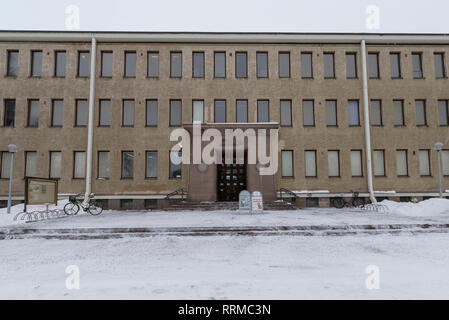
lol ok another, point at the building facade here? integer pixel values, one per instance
(308, 86)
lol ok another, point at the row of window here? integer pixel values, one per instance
(287, 164)
(241, 64)
(263, 112)
(333, 160)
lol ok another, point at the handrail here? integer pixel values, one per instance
(284, 190)
(181, 192)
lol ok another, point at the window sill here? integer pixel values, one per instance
(153, 77)
(332, 126)
(11, 77)
(55, 126)
(151, 126)
(399, 126)
(104, 126)
(407, 176)
(422, 125)
(155, 178)
(122, 178)
(289, 178)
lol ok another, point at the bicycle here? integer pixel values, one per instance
(73, 207)
(355, 201)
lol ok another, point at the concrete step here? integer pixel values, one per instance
(212, 206)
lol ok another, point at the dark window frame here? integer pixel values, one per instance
(359, 123)
(268, 65)
(334, 74)
(98, 164)
(426, 123)
(420, 56)
(52, 124)
(225, 73)
(316, 164)
(99, 113)
(313, 113)
(4, 113)
(311, 65)
(169, 113)
(289, 64)
(202, 100)
(80, 52)
(76, 113)
(157, 164)
(8, 55)
(122, 163)
(172, 53)
(361, 162)
(354, 54)
(257, 105)
(293, 164)
(32, 63)
(447, 112)
(406, 163)
(339, 163)
(291, 113)
(404, 124)
(124, 64)
(148, 64)
(377, 55)
(56, 52)
(204, 65)
(336, 113)
(146, 113)
(112, 62)
(247, 111)
(380, 110)
(29, 111)
(226, 110)
(443, 67)
(398, 54)
(246, 64)
(74, 162)
(123, 113)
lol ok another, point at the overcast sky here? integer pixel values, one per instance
(228, 15)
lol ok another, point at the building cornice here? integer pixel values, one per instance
(222, 37)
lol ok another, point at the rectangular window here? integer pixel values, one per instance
(263, 111)
(440, 69)
(445, 162)
(284, 64)
(242, 111)
(220, 64)
(401, 163)
(128, 113)
(30, 163)
(55, 164)
(306, 65)
(308, 113)
(10, 112)
(395, 65)
(105, 113)
(175, 166)
(198, 65)
(198, 111)
(83, 64)
(36, 63)
(79, 167)
(331, 113)
(106, 64)
(286, 113)
(351, 65)
(262, 64)
(310, 163)
(421, 119)
(443, 114)
(376, 112)
(175, 112)
(333, 163)
(103, 164)
(57, 112)
(33, 113)
(353, 113)
(6, 164)
(13, 63)
(153, 65)
(127, 164)
(398, 106)
(417, 65)
(424, 162)
(220, 111)
(379, 163)
(329, 65)
(152, 113)
(373, 65)
(287, 163)
(175, 64)
(241, 66)
(356, 163)
(60, 63)
(151, 165)
(81, 113)
(130, 64)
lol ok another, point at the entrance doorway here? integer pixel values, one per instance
(231, 179)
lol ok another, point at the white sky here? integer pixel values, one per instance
(228, 15)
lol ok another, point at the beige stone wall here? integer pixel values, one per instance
(298, 138)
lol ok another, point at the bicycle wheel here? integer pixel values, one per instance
(71, 209)
(95, 209)
(358, 202)
(338, 203)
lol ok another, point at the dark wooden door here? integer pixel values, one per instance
(231, 179)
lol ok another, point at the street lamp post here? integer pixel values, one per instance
(12, 149)
(438, 147)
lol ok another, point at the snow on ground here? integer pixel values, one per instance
(411, 267)
(429, 211)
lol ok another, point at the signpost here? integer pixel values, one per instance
(39, 191)
(244, 201)
(257, 202)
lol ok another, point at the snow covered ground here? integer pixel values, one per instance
(410, 267)
(429, 211)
